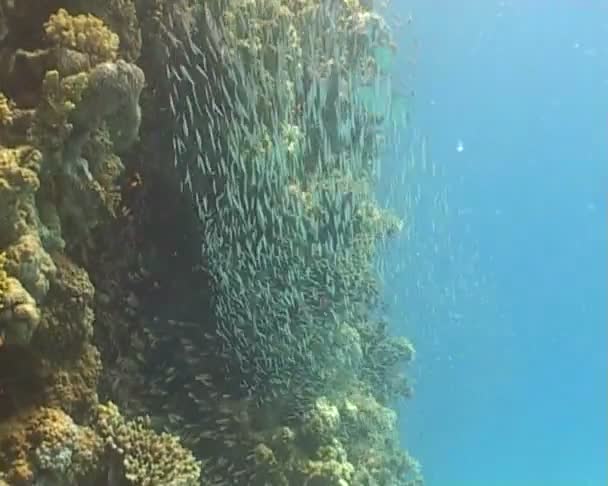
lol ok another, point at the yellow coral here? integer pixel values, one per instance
(18, 174)
(19, 315)
(4, 287)
(6, 114)
(3, 277)
(84, 33)
(148, 458)
(59, 98)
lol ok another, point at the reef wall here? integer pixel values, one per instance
(187, 235)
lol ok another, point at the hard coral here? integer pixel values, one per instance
(113, 95)
(148, 458)
(28, 261)
(19, 315)
(6, 117)
(26, 266)
(84, 33)
(330, 468)
(44, 443)
(72, 384)
(121, 17)
(60, 96)
(68, 314)
(82, 119)
(71, 364)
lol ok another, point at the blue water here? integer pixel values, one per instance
(506, 300)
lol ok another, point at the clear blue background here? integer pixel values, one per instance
(505, 299)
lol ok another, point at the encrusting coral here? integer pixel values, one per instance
(45, 444)
(25, 263)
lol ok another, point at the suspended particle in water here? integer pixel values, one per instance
(459, 146)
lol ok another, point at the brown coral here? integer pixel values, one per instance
(46, 440)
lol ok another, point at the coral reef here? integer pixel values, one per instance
(70, 105)
(195, 244)
(45, 445)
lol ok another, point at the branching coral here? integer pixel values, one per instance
(59, 98)
(148, 458)
(121, 17)
(46, 446)
(84, 33)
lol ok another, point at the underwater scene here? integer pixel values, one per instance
(303, 243)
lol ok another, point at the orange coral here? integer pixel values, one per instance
(37, 437)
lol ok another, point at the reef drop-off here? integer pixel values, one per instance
(187, 237)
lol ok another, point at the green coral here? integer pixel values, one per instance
(60, 96)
